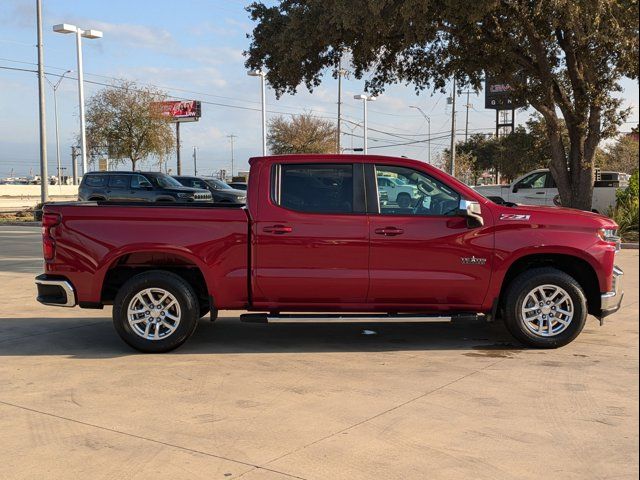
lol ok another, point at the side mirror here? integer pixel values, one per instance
(515, 188)
(473, 211)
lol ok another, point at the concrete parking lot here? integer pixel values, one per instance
(308, 401)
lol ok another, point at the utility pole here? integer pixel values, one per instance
(466, 125)
(428, 119)
(231, 137)
(55, 86)
(195, 161)
(453, 129)
(44, 176)
(74, 164)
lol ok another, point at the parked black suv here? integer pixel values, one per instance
(137, 187)
(221, 192)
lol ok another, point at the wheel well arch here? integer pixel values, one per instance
(127, 265)
(573, 266)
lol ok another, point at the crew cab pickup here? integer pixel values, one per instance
(315, 237)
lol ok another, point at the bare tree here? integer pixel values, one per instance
(124, 121)
(302, 134)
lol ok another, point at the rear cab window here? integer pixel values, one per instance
(315, 188)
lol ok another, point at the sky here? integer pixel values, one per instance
(193, 49)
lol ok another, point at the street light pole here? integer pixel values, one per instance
(341, 73)
(453, 129)
(365, 99)
(44, 176)
(55, 110)
(261, 74)
(195, 161)
(91, 34)
(428, 119)
(231, 137)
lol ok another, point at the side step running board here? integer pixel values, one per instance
(352, 318)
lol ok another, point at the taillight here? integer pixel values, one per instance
(49, 220)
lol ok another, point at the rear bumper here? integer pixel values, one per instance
(55, 291)
(611, 301)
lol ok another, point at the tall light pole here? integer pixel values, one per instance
(231, 138)
(55, 109)
(365, 99)
(44, 176)
(91, 34)
(341, 73)
(428, 119)
(195, 161)
(261, 74)
(453, 129)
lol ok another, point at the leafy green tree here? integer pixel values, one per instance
(564, 57)
(124, 122)
(622, 156)
(302, 134)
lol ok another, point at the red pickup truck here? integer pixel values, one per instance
(316, 236)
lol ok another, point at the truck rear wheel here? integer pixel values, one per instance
(155, 311)
(545, 308)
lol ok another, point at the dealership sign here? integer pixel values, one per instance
(499, 96)
(181, 110)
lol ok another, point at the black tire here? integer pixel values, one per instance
(517, 293)
(403, 200)
(172, 283)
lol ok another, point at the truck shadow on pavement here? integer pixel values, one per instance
(96, 338)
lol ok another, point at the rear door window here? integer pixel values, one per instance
(119, 181)
(315, 188)
(96, 180)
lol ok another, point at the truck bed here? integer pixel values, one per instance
(95, 238)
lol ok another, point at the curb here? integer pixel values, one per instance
(630, 246)
(20, 224)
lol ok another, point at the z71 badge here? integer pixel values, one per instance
(515, 217)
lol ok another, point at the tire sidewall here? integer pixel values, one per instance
(174, 284)
(518, 293)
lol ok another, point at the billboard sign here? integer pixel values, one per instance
(181, 110)
(498, 96)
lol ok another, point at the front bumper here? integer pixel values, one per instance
(611, 301)
(55, 291)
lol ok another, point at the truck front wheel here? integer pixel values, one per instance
(545, 308)
(155, 311)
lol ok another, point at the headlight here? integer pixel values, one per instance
(185, 195)
(242, 199)
(610, 235)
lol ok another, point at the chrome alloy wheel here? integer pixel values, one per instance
(547, 310)
(153, 314)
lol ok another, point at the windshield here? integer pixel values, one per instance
(165, 181)
(218, 184)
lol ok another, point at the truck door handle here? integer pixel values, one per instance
(389, 231)
(277, 229)
(540, 193)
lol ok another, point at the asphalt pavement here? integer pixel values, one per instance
(437, 400)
